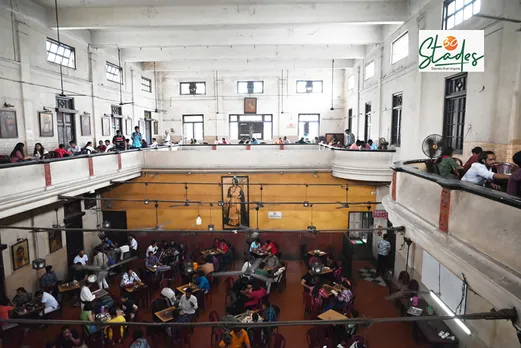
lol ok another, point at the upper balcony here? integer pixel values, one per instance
(27, 185)
(472, 229)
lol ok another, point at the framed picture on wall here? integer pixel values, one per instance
(85, 125)
(20, 254)
(235, 195)
(8, 126)
(46, 123)
(156, 127)
(250, 105)
(55, 241)
(105, 126)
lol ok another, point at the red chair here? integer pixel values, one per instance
(316, 338)
(359, 339)
(164, 283)
(116, 335)
(277, 341)
(256, 337)
(217, 332)
(308, 301)
(229, 285)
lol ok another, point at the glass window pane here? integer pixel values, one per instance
(51, 57)
(48, 45)
(188, 131)
(258, 87)
(251, 118)
(450, 22)
(61, 49)
(194, 118)
(313, 130)
(477, 6)
(351, 82)
(64, 61)
(313, 118)
(317, 86)
(242, 87)
(267, 118)
(234, 130)
(459, 4)
(369, 70)
(267, 131)
(185, 88)
(459, 17)
(53, 48)
(198, 131)
(468, 1)
(467, 12)
(301, 86)
(451, 8)
(233, 118)
(201, 88)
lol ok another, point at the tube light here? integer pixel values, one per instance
(450, 313)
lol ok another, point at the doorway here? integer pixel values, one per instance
(148, 127)
(117, 220)
(367, 129)
(65, 120)
(73, 218)
(362, 242)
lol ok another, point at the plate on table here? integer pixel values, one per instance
(415, 311)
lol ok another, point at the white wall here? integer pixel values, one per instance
(29, 82)
(492, 102)
(285, 109)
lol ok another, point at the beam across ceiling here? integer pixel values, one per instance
(247, 64)
(243, 52)
(165, 16)
(323, 34)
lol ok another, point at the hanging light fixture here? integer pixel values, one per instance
(198, 220)
(210, 225)
(317, 268)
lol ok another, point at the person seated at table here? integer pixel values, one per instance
(238, 338)
(79, 274)
(216, 243)
(132, 242)
(6, 312)
(129, 278)
(47, 300)
(318, 294)
(201, 281)
(330, 262)
(87, 315)
(269, 245)
(309, 280)
(314, 259)
(107, 243)
(208, 267)
(68, 338)
(153, 248)
(168, 292)
(115, 317)
(447, 166)
(255, 245)
(81, 258)
(188, 304)
(261, 271)
(268, 311)
(344, 296)
(481, 172)
(86, 295)
(49, 281)
(514, 182)
(152, 260)
(255, 295)
(271, 261)
(472, 159)
(22, 297)
(139, 340)
(129, 307)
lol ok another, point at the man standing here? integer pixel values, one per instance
(119, 141)
(102, 261)
(49, 281)
(350, 137)
(136, 138)
(384, 248)
(85, 293)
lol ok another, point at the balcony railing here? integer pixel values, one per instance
(467, 226)
(28, 185)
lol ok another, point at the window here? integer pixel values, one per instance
(146, 84)
(369, 70)
(117, 118)
(309, 86)
(457, 11)
(400, 48)
(308, 126)
(259, 127)
(114, 73)
(60, 53)
(367, 129)
(250, 87)
(193, 88)
(351, 82)
(396, 119)
(193, 127)
(454, 116)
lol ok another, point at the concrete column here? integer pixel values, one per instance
(96, 119)
(28, 118)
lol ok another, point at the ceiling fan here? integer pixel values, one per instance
(186, 202)
(249, 272)
(157, 227)
(344, 205)
(107, 268)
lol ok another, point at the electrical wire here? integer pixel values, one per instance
(221, 184)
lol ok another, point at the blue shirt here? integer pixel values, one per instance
(374, 147)
(136, 139)
(255, 142)
(202, 282)
(254, 245)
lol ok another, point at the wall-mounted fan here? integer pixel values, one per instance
(432, 146)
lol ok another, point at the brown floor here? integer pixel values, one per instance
(370, 302)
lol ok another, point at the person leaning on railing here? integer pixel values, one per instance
(514, 182)
(481, 172)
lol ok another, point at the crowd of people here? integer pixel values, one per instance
(481, 169)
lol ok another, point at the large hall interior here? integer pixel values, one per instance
(260, 173)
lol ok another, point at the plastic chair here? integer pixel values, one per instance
(229, 285)
(506, 168)
(277, 341)
(316, 338)
(215, 336)
(256, 337)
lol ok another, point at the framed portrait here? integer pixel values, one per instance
(8, 126)
(339, 137)
(156, 127)
(85, 125)
(46, 123)
(55, 241)
(235, 198)
(105, 126)
(20, 254)
(250, 105)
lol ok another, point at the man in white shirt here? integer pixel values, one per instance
(132, 242)
(85, 293)
(108, 146)
(81, 258)
(153, 248)
(167, 140)
(188, 303)
(154, 144)
(168, 293)
(49, 302)
(481, 171)
(129, 278)
(123, 250)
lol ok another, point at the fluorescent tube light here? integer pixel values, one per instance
(450, 313)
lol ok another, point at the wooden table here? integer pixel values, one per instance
(241, 317)
(332, 315)
(36, 309)
(69, 286)
(326, 271)
(100, 293)
(320, 253)
(259, 254)
(213, 252)
(166, 314)
(181, 288)
(329, 289)
(133, 288)
(427, 331)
